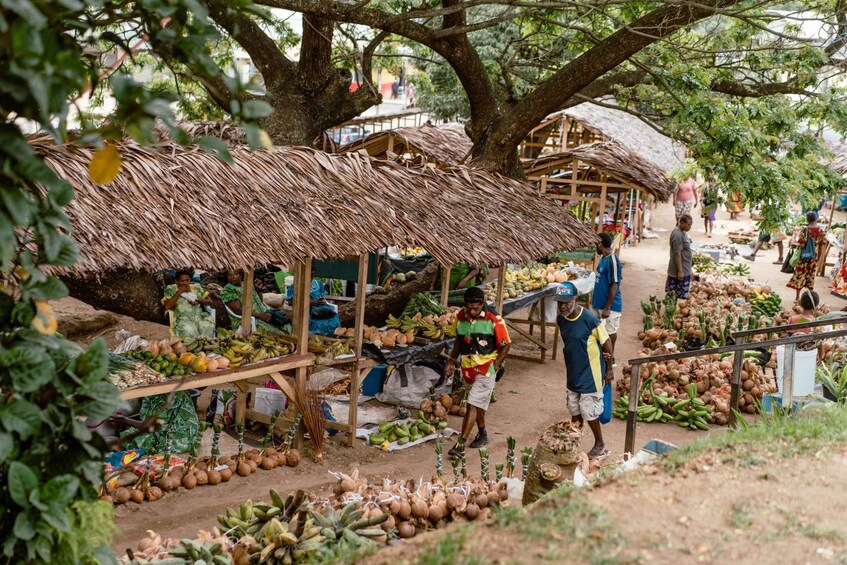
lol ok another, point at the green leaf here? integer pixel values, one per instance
(17, 204)
(93, 365)
(214, 145)
(255, 109)
(29, 367)
(28, 11)
(22, 481)
(57, 518)
(104, 399)
(7, 446)
(23, 527)
(49, 289)
(8, 242)
(20, 416)
(59, 491)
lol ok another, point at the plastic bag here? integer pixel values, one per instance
(409, 384)
(606, 416)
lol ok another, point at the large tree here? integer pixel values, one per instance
(688, 65)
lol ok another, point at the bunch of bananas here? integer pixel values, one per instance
(765, 304)
(348, 525)
(289, 542)
(201, 343)
(252, 517)
(645, 413)
(431, 327)
(191, 551)
(738, 270)
(690, 412)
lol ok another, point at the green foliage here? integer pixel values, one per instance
(50, 462)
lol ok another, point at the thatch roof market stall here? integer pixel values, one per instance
(443, 145)
(596, 176)
(182, 206)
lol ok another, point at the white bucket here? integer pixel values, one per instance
(805, 363)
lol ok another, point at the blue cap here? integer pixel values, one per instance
(565, 292)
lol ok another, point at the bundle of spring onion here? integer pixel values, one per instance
(126, 373)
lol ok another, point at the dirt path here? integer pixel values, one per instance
(530, 398)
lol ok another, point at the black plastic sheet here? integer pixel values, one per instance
(514, 304)
(405, 265)
(402, 355)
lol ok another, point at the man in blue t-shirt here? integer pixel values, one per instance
(606, 302)
(587, 354)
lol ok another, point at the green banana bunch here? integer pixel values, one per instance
(348, 525)
(193, 552)
(692, 413)
(252, 518)
(287, 543)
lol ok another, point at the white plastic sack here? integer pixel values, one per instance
(128, 343)
(409, 384)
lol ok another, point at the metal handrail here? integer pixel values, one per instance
(792, 327)
(738, 359)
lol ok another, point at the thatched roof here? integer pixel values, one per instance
(180, 206)
(615, 159)
(444, 145)
(629, 131)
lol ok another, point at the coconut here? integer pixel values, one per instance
(121, 495)
(268, 463)
(446, 401)
(388, 524)
(405, 510)
(292, 458)
(481, 501)
(201, 466)
(394, 507)
(154, 493)
(189, 481)
(254, 465)
(226, 474)
(419, 508)
(136, 496)
(202, 477)
(406, 530)
(244, 469)
(214, 477)
(454, 501)
(472, 511)
(167, 483)
(435, 514)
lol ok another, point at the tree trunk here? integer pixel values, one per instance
(379, 306)
(122, 291)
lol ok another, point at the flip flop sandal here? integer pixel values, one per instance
(602, 454)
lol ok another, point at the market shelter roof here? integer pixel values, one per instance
(445, 145)
(611, 157)
(626, 129)
(177, 206)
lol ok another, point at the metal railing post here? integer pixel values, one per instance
(632, 416)
(788, 377)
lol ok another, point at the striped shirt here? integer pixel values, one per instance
(584, 337)
(480, 340)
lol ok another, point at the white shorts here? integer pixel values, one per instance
(589, 405)
(612, 323)
(480, 393)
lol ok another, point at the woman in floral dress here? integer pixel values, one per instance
(805, 269)
(186, 300)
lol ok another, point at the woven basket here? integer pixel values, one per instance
(554, 460)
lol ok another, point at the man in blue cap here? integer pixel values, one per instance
(588, 355)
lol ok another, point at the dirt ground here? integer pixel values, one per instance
(530, 398)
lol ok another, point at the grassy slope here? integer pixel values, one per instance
(566, 526)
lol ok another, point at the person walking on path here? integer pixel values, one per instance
(588, 355)
(606, 302)
(807, 246)
(685, 197)
(679, 266)
(766, 237)
(709, 208)
(483, 342)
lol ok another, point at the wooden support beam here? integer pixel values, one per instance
(501, 288)
(445, 283)
(632, 417)
(361, 295)
(526, 334)
(737, 363)
(247, 301)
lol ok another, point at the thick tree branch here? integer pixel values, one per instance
(593, 63)
(274, 66)
(734, 88)
(316, 45)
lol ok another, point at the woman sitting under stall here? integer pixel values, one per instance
(323, 317)
(267, 319)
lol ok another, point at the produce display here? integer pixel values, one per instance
(242, 350)
(413, 253)
(212, 470)
(521, 281)
(403, 331)
(690, 412)
(743, 237)
(765, 303)
(126, 372)
(406, 431)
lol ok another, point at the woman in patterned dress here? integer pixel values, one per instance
(805, 269)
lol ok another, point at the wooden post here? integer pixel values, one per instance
(632, 417)
(501, 288)
(788, 377)
(302, 287)
(542, 304)
(601, 209)
(737, 365)
(356, 373)
(247, 301)
(445, 283)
